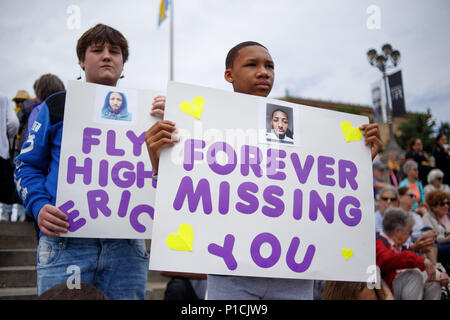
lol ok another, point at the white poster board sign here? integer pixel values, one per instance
(232, 200)
(105, 183)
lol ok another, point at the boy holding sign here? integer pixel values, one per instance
(250, 69)
(118, 267)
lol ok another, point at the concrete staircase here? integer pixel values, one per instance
(18, 246)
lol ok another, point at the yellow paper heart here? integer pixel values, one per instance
(182, 240)
(195, 108)
(350, 133)
(347, 253)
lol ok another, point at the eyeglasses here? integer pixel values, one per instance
(388, 199)
(440, 179)
(444, 203)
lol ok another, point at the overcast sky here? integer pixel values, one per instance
(319, 47)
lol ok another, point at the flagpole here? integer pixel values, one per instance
(171, 39)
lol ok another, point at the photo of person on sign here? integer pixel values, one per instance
(115, 107)
(279, 126)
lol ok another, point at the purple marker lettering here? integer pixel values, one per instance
(347, 173)
(290, 256)
(243, 192)
(190, 154)
(225, 252)
(224, 197)
(98, 200)
(142, 174)
(277, 203)
(323, 171)
(72, 215)
(89, 140)
(124, 203)
(298, 204)
(255, 248)
(251, 158)
(231, 158)
(136, 212)
(73, 169)
(137, 142)
(111, 144)
(316, 204)
(302, 172)
(186, 190)
(129, 176)
(103, 173)
(355, 213)
(273, 164)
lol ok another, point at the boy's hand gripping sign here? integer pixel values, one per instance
(105, 183)
(260, 187)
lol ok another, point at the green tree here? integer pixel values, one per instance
(445, 129)
(421, 125)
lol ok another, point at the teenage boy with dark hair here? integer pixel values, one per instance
(118, 267)
(250, 69)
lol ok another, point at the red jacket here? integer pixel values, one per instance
(390, 261)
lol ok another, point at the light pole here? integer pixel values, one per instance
(388, 59)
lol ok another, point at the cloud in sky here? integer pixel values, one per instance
(319, 47)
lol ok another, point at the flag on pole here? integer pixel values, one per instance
(163, 7)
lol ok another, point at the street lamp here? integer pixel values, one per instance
(387, 59)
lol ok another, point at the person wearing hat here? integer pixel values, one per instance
(379, 174)
(20, 98)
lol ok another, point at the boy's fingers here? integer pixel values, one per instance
(159, 98)
(55, 227)
(160, 143)
(56, 212)
(48, 232)
(157, 112)
(55, 220)
(156, 137)
(160, 125)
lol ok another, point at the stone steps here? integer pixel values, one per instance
(18, 244)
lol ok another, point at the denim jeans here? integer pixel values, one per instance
(118, 267)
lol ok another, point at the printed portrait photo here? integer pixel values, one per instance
(116, 107)
(280, 124)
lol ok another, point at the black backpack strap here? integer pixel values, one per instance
(56, 103)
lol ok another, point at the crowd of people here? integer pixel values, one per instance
(412, 223)
(412, 220)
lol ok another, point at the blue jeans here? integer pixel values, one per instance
(118, 267)
(257, 288)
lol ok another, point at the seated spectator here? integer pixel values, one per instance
(435, 182)
(422, 238)
(185, 286)
(388, 197)
(441, 155)
(408, 275)
(346, 290)
(416, 153)
(411, 181)
(438, 219)
(394, 169)
(379, 177)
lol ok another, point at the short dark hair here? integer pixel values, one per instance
(434, 197)
(273, 112)
(46, 85)
(62, 292)
(232, 54)
(402, 191)
(100, 34)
